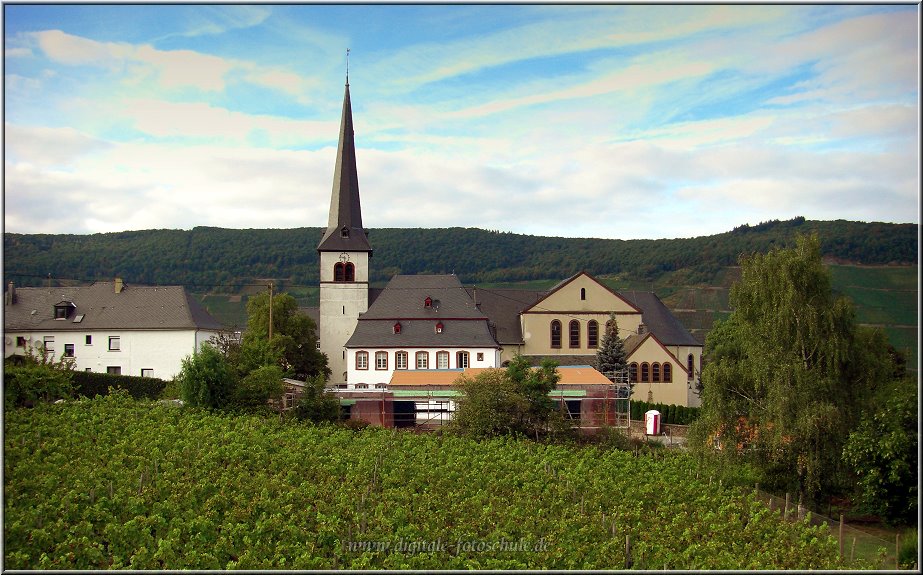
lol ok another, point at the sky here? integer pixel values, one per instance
(599, 121)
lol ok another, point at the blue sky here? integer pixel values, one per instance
(611, 121)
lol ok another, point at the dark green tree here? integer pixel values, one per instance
(294, 337)
(490, 406)
(258, 387)
(206, 379)
(788, 374)
(883, 453)
(611, 357)
(514, 401)
(315, 404)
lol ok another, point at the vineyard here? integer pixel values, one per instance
(118, 483)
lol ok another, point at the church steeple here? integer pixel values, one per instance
(344, 227)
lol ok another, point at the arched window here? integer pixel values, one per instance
(349, 272)
(442, 360)
(690, 365)
(655, 372)
(555, 334)
(439, 327)
(592, 334)
(339, 272)
(645, 372)
(633, 372)
(461, 360)
(422, 360)
(381, 360)
(667, 372)
(362, 360)
(574, 330)
(400, 360)
(582, 294)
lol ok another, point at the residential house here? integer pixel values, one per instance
(108, 327)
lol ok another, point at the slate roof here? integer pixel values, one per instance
(503, 307)
(345, 209)
(135, 308)
(659, 320)
(402, 300)
(404, 296)
(468, 333)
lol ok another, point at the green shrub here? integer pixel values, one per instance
(259, 386)
(206, 379)
(91, 384)
(315, 404)
(29, 382)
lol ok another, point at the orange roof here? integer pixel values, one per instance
(570, 375)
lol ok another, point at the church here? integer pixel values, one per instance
(431, 328)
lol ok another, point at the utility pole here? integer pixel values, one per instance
(270, 311)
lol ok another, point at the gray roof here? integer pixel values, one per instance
(503, 307)
(344, 226)
(659, 320)
(469, 333)
(402, 301)
(136, 307)
(404, 296)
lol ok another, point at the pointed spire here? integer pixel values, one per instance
(344, 226)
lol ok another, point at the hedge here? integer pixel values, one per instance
(670, 414)
(91, 384)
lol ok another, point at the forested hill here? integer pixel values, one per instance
(220, 260)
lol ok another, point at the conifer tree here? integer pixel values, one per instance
(610, 357)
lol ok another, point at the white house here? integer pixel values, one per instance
(425, 322)
(108, 327)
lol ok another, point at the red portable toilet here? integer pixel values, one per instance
(652, 422)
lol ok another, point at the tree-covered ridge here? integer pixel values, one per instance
(218, 259)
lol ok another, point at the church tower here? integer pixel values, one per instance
(344, 255)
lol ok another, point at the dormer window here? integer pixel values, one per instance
(428, 303)
(344, 232)
(63, 309)
(439, 327)
(397, 328)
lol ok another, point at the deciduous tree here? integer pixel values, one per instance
(294, 336)
(789, 373)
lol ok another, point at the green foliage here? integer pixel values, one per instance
(490, 406)
(611, 357)
(294, 337)
(670, 414)
(787, 375)
(91, 384)
(34, 378)
(112, 483)
(514, 401)
(206, 380)
(186, 257)
(883, 454)
(315, 404)
(258, 387)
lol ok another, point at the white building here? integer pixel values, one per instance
(108, 327)
(424, 322)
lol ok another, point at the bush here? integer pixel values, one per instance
(315, 404)
(206, 379)
(259, 386)
(91, 384)
(30, 382)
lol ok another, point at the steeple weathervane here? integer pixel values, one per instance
(347, 66)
